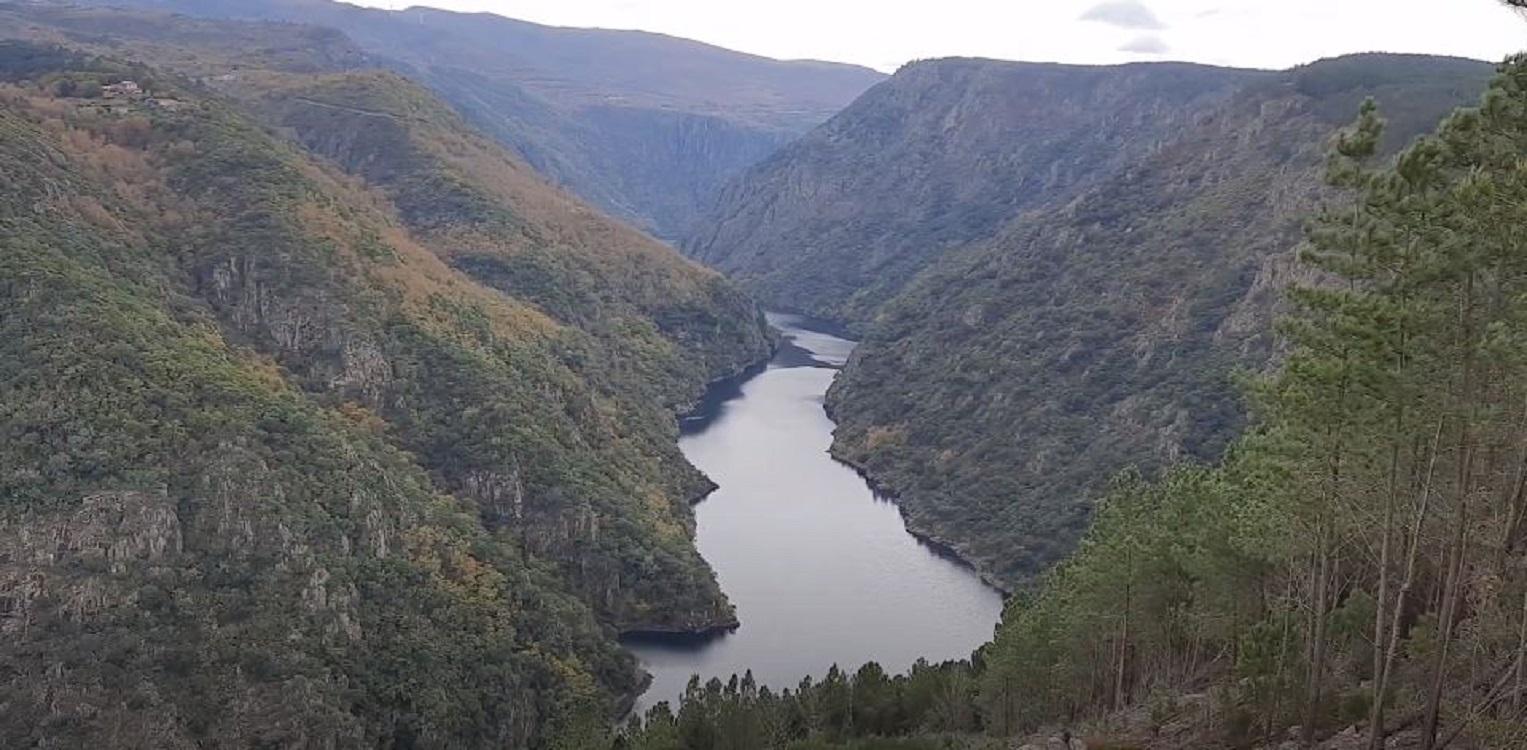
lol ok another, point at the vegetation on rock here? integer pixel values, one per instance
(276, 472)
(996, 394)
(645, 126)
(944, 153)
(1357, 560)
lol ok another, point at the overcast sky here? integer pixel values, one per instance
(886, 33)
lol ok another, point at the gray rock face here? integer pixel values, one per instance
(109, 532)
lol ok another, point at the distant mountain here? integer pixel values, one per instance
(644, 125)
(943, 153)
(1056, 269)
(324, 419)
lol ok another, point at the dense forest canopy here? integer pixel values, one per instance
(996, 394)
(1358, 559)
(276, 467)
(325, 420)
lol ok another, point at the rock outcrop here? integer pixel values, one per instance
(275, 468)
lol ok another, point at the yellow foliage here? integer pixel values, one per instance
(420, 277)
(92, 211)
(363, 417)
(446, 559)
(880, 436)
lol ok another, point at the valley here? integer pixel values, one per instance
(644, 126)
(821, 570)
(1093, 313)
(401, 378)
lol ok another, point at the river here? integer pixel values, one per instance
(821, 569)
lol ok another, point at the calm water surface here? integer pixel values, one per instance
(821, 570)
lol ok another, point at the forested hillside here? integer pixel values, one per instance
(652, 328)
(944, 153)
(276, 469)
(997, 394)
(1055, 270)
(645, 126)
(1358, 557)
(1352, 574)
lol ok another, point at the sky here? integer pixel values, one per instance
(884, 34)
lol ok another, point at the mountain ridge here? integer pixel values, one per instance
(302, 414)
(1027, 351)
(941, 154)
(645, 130)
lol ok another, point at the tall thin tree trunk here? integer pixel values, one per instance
(1118, 688)
(1512, 535)
(1322, 584)
(1462, 483)
(1521, 663)
(1376, 713)
(1451, 596)
(1380, 664)
(1392, 650)
(1516, 505)
(1277, 703)
(1317, 639)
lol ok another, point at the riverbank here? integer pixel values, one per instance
(928, 538)
(821, 570)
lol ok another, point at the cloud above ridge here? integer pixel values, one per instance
(1148, 44)
(1125, 14)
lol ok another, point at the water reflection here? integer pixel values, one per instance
(822, 572)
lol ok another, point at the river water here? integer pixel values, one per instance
(821, 570)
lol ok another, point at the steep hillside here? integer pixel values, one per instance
(643, 125)
(208, 536)
(276, 472)
(943, 153)
(650, 328)
(654, 328)
(1009, 381)
(1353, 573)
(492, 216)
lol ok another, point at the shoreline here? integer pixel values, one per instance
(938, 546)
(706, 410)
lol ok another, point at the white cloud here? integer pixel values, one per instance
(886, 33)
(1149, 44)
(1126, 14)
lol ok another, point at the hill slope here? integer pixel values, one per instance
(998, 392)
(643, 125)
(644, 328)
(199, 549)
(249, 401)
(942, 154)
